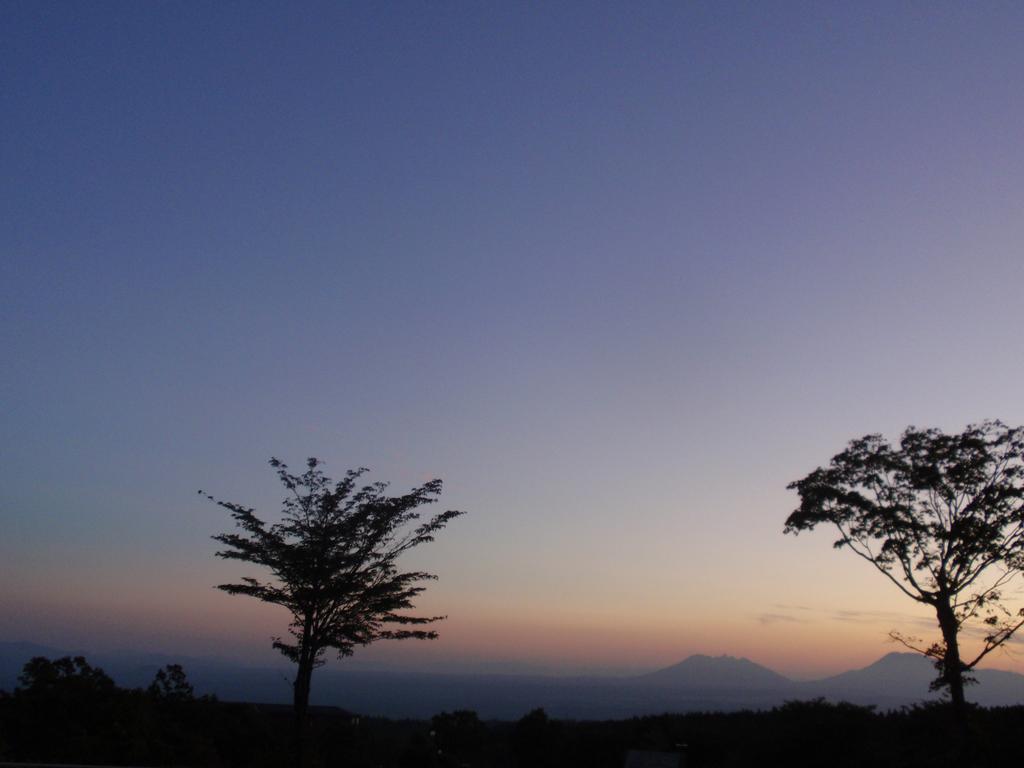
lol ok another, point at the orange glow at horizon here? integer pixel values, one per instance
(241, 630)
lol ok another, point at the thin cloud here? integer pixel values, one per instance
(882, 617)
(787, 607)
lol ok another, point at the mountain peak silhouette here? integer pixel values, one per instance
(702, 671)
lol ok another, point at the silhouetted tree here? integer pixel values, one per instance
(537, 741)
(71, 711)
(333, 564)
(942, 517)
(459, 737)
(67, 676)
(171, 684)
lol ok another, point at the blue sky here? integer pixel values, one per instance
(617, 273)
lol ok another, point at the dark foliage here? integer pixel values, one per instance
(68, 711)
(942, 517)
(170, 684)
(459, 738)
(333, 559)
(333, 564)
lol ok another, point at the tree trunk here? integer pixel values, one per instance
(953, 670)
(303, 678)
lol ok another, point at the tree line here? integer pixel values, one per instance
(67, 711)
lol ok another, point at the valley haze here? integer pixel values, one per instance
(698, 683)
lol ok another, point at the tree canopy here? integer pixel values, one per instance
(333, 558)
(942, 517)
(333, 563)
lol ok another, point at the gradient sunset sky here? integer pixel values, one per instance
(616, 272)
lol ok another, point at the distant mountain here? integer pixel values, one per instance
(894, 671)
(699, 682)
(904, 678)
(718, 672)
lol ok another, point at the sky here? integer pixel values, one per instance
(616, 273)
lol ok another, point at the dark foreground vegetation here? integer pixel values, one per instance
(68, 711)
